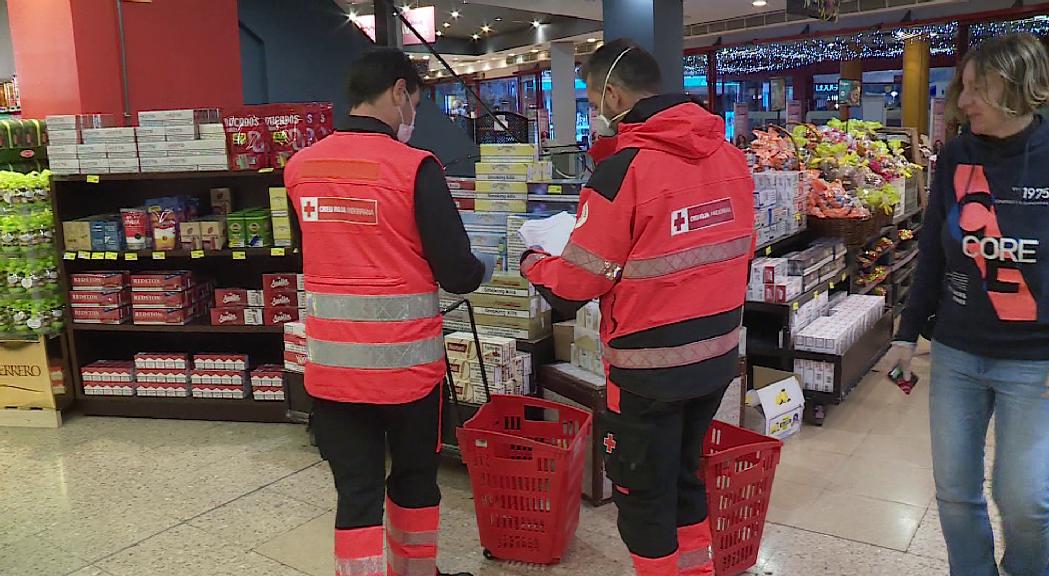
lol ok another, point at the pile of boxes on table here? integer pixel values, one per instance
(849, 318)
(153, 298)
(281, 300)
(779, 200)
(507, 306)
(172, 375)
(163, 141)
(508, 371)
(781, 280)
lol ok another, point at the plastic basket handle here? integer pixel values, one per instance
(480, 356)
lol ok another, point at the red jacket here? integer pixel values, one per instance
(664, 236)
(373, 324)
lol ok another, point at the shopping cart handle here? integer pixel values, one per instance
(456, 306)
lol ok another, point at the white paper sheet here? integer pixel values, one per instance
(550, 234)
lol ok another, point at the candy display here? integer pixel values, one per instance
(31, 300)
(281, 300)
(267, 136)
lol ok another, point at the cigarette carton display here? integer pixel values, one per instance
(237, 316)
(238, 298)
(105, 298)
(162, 281)
(100, 280)
(101, 315)
(276, 316)
(161, 361)
(235, 362)
(165, 316)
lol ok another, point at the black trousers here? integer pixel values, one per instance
(353, 438)
(653, 450)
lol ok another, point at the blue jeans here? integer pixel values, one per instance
(966, 390)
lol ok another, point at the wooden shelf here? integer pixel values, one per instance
(289, 251)
(145, 176)
(247, 410)
(178, 329)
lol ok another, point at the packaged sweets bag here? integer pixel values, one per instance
(247, 138)
(288, 132)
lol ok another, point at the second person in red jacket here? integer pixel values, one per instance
(663, 237)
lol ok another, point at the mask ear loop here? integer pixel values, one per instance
(605, 87)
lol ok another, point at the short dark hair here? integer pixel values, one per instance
(637, 70)
(376, 71)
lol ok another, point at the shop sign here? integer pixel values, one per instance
(422, 19)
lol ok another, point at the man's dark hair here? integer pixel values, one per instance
(637, 70)
(376, 71)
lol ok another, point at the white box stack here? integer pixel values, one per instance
(508, 371)
(779, 205)
(182, 140)
(502, 177)
(846, 324)
(78, 143)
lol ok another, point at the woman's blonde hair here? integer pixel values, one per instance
(1022, 63)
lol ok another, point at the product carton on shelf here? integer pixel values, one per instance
(587, 350)
(776, 404)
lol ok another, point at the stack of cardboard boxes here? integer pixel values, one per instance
(220, 376)
(507, 306)
(281, 300)
(175, 297)
(846, 323)
(102, 297)
(508, 371)
(162, 374)
(780, 205)
(267, 382)
(295, 347)
(503, 175)
(65, 141)
(587, 351)
(182, 140)
(487, 232)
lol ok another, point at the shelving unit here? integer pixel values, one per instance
(79, 196)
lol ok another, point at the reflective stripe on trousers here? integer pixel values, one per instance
(675, 356)
(375, 356)
(694, 559)
(405, 538)
(401, 566)
(371, 566)
(357, 308)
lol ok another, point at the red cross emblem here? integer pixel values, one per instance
(309, 210)
(610, 443)
(679, 222)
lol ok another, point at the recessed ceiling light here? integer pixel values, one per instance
(536, 23)
(486, 28)
(352, 16)
(455, 14)
(760, 3)
(535, 50)
(498, 18)
(447, 24)
(511, 55)
(591, 40)
(439, 33)
(476, 36)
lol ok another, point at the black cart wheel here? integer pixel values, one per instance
(488, 554)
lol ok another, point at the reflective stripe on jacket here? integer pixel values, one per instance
(373, 324)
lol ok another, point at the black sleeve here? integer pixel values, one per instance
(924, 297)
(445, 243)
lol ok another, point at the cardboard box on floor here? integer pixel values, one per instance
(776, 403)
(25, 375)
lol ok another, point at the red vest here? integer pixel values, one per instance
(373, 323)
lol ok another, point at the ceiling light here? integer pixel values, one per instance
(535, 50)
(591, 40)
(352, 16)
(476, 36)
(486, 28)
(439, 33)
(536, 23)
(455, 14)
(447, 24)
(511, 55)
(760, 3)
(498, 18)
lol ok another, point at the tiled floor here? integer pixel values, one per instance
(115, 497)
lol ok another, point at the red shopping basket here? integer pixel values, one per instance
(738, 468)
(527, 475)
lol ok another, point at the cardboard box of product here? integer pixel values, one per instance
(776, 404)
(507, 150)
(63, 137)
(124, 165)
(95, 166)
(180, 133)
(77, 234)
(65, 151)
(279, 199)
(515, 206)
(282, 235)
(564, 337)
(26, 372)
(103, 135)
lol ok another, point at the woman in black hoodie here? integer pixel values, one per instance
(982, 288)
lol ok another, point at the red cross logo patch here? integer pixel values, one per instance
(610, 443)
(337, 209)
(702, 216)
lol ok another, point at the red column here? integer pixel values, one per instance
(181, 54)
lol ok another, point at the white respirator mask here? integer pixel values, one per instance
(605, 127)
(405, 131)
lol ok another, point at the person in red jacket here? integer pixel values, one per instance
(663, 237)
(380, 233)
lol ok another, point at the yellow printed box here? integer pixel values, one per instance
(502, 187)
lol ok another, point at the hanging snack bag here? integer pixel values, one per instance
(247, 138)
(288, 132)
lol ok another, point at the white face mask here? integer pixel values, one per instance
(606, 127)
(405, 131)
